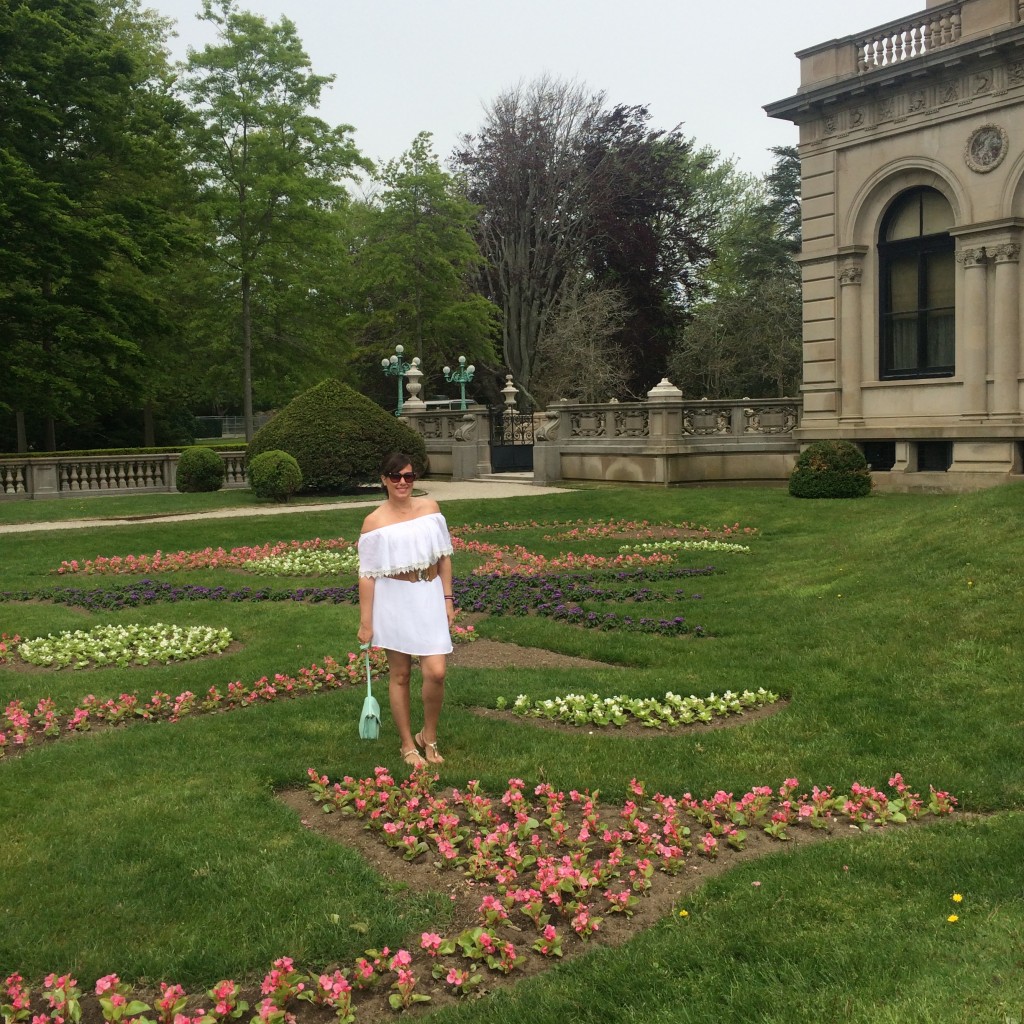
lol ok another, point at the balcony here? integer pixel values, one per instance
(940, 34)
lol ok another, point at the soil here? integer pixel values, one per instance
(666, 896)
(667, 893)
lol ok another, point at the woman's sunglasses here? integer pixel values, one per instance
(407, 477)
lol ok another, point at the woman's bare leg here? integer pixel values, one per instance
(433, 667)
(399, 670)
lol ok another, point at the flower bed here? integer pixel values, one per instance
(207, 558)
(124, 645)
(556, 596)
(664, 546)
(652, 712)
(549, 871)
(20, 727)
(8, 645)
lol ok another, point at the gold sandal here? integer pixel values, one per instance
(430, 749)
(413, 758)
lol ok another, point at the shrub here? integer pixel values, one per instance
(199, 469)
(830, 469)
(337, 436)
(274, 475)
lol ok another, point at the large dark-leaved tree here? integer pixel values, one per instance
(90, 185)
(577, 196)
(272, 188)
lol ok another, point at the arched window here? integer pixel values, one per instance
(916, 262)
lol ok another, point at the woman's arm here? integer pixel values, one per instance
(444, 570)
(366, 587)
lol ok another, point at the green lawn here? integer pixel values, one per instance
(892, 625)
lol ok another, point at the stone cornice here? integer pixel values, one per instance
(950, 76)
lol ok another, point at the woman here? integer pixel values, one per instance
(405, 600)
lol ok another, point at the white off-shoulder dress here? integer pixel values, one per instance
(407, 617)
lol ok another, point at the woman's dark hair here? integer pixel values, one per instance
(395, 462)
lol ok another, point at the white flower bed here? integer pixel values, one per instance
(684, 545)
(124, 645)
(672, 710)
(307, 562)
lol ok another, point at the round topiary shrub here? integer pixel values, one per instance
(830, 469)
(274, 475)
(337, 436)
(199, 469)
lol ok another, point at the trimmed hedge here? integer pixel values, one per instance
(337, 436)
(274, 476)
(830, 469)
(199, 469)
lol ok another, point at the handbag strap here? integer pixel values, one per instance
(369, 686)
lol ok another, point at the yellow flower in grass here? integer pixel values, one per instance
(957, 898)
(953, 918)
(684, 913)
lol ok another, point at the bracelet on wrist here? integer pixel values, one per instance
(448, 597)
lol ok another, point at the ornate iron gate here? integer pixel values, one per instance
(511, 441)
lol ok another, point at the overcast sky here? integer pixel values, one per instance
(405, 66)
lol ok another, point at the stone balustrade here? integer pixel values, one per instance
(847, 61)
(908, 38)
(665, 439)
(64, 476)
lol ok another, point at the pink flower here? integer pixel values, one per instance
(401, 959)
(106, 983)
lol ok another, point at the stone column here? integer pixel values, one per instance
(851, 343)
(975, 334)
(665, 407)
(547, 454)
(1006, 331)
(471, 454)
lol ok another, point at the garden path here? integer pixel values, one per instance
(440, 490)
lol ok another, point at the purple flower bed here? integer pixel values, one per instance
(558, 596)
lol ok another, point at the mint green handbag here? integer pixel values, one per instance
(369, 718)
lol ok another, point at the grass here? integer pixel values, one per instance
(144, 505)
(891, 624)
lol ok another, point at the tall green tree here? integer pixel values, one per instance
(744, 337)
(87, 158)
(415, 260)
(271, 182)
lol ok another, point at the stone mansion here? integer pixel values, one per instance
(912, 167)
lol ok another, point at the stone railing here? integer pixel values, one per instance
(718, 420)
(668, 440)
(64, 476)
(908, 38)
(665, 439)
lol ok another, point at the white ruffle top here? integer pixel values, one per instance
(404, 547)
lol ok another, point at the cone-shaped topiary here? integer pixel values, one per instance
(830, 469)
(199, 469)
(337, 436)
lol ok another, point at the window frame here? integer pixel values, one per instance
(920, 247)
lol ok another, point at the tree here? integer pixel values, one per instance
(415, 258)
(744, 339)
(87, 159)
(577, 196)
(271, 174)
(523, 169)
(656, 202)
(579, 358)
